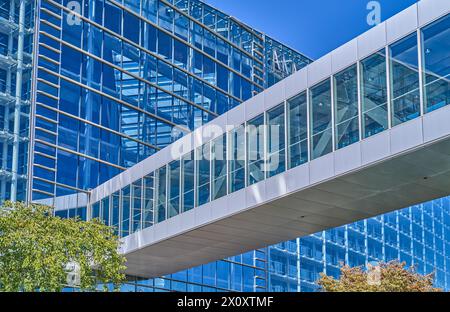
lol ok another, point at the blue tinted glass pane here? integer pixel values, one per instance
(203, 174)
(237, 161)
(188, 182)
(298, 130)
(114, 18)
(125, 215)
(255, 150)
(219, 167)
(405, 80)
(147, 213)
(174, 189)
(436, 47)
(321, 128)
(374, 94)
(276, 141)
(346, 107)
(136, 202)
(160, 214)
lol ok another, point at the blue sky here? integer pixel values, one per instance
(313, 27)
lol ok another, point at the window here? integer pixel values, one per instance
(115, 198)
(436, 47)
(404, 80)
(320, 110)
(160, 213)
(223, 274)
(131, 29)
(113, 20)
(125, 215)
(346, 107)
(298, 130)
(136, 205)
(147, 212)
(219, 167)
(174, 189)
(255, 150)
(166, 15)
(203, 174)
(164, 45)
(188, 181)
(276, 146)
(237, 159)
(374, 94)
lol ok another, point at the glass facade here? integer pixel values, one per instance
(107, 83)
(335, 116)
(116, 81)
(16, 47)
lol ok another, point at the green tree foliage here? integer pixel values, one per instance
(385, 277)
(35, 248)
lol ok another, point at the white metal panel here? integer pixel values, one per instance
(187, 220)
(375, 148)
(220, 208)
(321, 168)
(296, 83)
(297, 178)
(372, 40)
(347, 158)
(401, 24)
(255, 194)
(236, 116)
(430, 10)
(319, 70)
(276, 186)
(436, 124)
(236, 201)
(202, 214)
(274, 95)
(344, 56)
(406, 137)
(254, 106)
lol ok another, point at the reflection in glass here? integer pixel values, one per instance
(219, 167)
(404, 80)
(105, 210)
(237, 159)
(188, 181)
(321, 123)
(125, 215)
(374, 94)
(255, 150)
(174, 189)
(136, 205)
(275, 141)
(436, 47)
(298, 130)
(203, 174)
(147, 213)
(160, 213)
(346, 107)
(115, 198)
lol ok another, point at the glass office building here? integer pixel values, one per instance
(16, 46)
(116, 81)
(113, 82)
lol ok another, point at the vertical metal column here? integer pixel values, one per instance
(16, 133)
(6, 116)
